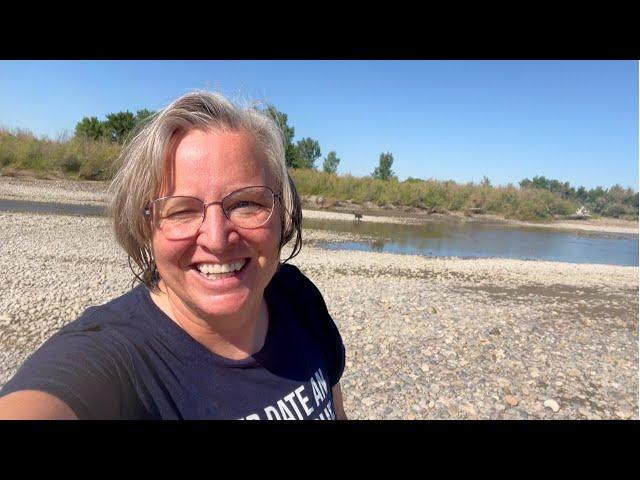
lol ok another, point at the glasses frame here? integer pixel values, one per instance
(149, 214)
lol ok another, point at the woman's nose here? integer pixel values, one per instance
(216, 231)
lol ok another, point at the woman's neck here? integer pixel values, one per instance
(234, 337)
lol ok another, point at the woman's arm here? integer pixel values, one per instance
(337, 402)
(34, 405)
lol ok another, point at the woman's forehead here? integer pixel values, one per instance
(215, 160)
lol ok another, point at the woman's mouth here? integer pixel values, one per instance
(216, 271)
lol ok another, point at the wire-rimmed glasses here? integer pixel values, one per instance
(180, 217)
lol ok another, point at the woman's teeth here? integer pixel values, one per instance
(214, 269)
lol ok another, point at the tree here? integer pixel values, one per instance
(330, 164)
(119, 125)
(582, 195)
(383, 171)
(90, 128)
(280, 119)
(307, 152)
(525, 183)
(142, 115)
(541, 182)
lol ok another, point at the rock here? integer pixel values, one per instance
(424, 367)
(435, 389)
(368, 401)
(470, 411)
(511, 400)
(623, 414)
(552, 404)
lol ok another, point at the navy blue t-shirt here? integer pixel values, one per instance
(128, 360)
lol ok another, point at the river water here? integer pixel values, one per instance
(440, 238)
(472, 240)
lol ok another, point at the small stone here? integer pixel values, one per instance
(368, 401)
(511, 400)
(434, 389)
(552, 404)
(424, 367)
(584, 412)
(572, 372)
(624, 415)
(470, 411)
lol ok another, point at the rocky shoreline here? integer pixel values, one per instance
(426, 338)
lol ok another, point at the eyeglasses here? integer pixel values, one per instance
(180, 217)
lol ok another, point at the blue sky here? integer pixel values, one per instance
(574, 121)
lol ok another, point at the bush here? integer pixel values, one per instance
(71, 163)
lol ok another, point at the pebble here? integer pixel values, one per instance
(624, 415)
(511, 400)
(552, 404)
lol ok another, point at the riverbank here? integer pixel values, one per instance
(426, 338)
(95, 193)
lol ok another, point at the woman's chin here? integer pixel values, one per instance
(228, 304)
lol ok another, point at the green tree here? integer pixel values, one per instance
(287, 133)
(307, 152)
(142, 115)
(330, 163)
(119, 125)
(525, 183)
(383, 171)
(541, 182)
(91, 128)
(582, 195)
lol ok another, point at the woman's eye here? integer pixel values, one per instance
(181, 213)
(243, 204)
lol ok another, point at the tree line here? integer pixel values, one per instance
(303, 154)
(613, 202)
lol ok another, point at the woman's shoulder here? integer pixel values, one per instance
(118, 313)
(291, 275)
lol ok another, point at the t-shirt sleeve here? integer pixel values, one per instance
(76, 366)
(308, 296)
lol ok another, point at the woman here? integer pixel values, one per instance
(219, 328)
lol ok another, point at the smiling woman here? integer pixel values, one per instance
(219, 328)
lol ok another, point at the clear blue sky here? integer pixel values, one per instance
(574, 121)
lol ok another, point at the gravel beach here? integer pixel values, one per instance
(426, 338)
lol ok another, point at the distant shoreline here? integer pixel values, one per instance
(94, 193)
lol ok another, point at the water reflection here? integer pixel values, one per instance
(457, 239)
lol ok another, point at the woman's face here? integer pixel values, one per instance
(209, 165)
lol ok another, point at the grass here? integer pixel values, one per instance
(81, 158)
(71, 157)
(433, 195)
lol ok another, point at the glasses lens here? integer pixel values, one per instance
(178, 217)
(249, 207)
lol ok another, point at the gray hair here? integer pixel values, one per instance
(143, 166)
